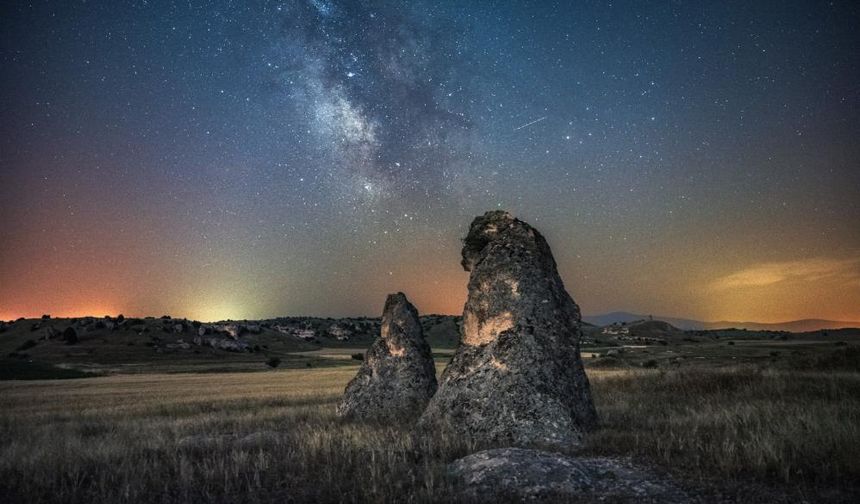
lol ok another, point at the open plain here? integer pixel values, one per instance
(759, 431)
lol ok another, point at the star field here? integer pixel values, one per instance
(254, 159)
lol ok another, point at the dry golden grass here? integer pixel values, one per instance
(183, 438)
(790, 427)
(273, 436)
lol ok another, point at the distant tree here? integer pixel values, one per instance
(273, 362)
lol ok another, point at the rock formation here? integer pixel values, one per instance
(516, 378)
(398, 376)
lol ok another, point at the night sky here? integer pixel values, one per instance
(253, 159)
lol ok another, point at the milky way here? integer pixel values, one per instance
(376, 84)
(249, 159)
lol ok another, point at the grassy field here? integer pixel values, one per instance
(731, 433)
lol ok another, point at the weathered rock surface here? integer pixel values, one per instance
(228, 344)
(398, 376)
(232, 330)
(51, 333)
(522, 474)
(516, 378)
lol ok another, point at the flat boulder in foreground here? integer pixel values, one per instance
(397, 377)
(520, 474)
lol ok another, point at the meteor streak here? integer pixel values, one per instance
(526, 125)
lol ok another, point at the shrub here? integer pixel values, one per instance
(357, 356)
(70, 336)
(606, 362)
(273, 362)
(27, 345)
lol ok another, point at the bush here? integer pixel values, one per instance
(606, 362)
(26, 345)
(70, 336)
(273, 362)
(357, 356)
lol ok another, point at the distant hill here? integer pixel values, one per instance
(627, 317)
(75, 347)
(643, 331)
(804, 325)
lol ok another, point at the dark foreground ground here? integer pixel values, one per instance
(731, 416)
